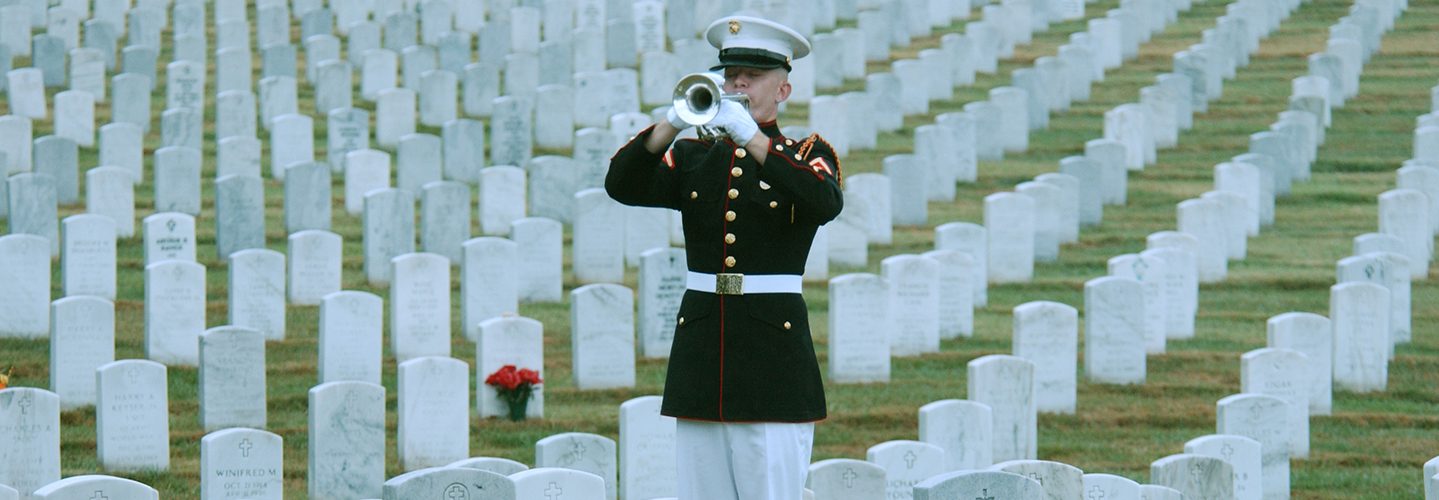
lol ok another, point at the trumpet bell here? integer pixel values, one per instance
(697, 97)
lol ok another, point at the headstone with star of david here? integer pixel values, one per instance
(96, 487)
(1242, 453)
(241, 463)
(590, 453)
(1059, 480)
(846, 479)
(450, 483)
(906, 464)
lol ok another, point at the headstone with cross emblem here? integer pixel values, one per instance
(1059, 480)
(1242, 453)
(434, 412)
(30, 454)
(647, 450)
(846, 479)
(1047, 333)
(497, 465)
(132, 417)
(241, 463)
(1265, 419)
(96, 487)
(1114, 331)
(450, 483)
(906, 463)
(347, 440)
(1361, 357)
(1195, 476)
(590, 453)
(1152, 274)
(1390, 270)
(1006, 384)
(1282, 373)
(232, 377)
(963, 429)
(1109, 487)
(978, 485)
(555, 483)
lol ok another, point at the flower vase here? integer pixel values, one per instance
(518, 404)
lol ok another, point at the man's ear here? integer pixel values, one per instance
(784, 89)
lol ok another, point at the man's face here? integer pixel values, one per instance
(766, 88)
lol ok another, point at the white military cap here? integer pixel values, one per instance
(755, 42)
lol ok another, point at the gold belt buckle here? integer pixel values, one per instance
(729, 284)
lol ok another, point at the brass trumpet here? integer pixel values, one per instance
(697, 99)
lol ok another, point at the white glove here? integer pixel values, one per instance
(675, 121)
(736, 121)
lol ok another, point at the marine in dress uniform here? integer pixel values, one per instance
(743, 379)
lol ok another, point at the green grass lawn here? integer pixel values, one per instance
(1372, 446)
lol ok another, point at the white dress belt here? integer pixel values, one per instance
(744, 284)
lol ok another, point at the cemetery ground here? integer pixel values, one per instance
(1373, 446)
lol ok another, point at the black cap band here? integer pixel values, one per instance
(751, 58)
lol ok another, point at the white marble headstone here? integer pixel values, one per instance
(963, 429)
(602, 327)
(232, 378)
(1006, 384)
(434, 412)
(1114, 331)
(1047, 334)
(132, 416)
(347, 440)
(420, 306)
(349, 337)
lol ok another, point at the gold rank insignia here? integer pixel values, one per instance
(734, 27)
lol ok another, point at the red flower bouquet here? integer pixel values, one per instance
(515, 386)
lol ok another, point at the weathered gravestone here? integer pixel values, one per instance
(314, 266)
(914, 304)
(661, 286)
(389, 231)
(501, 466)
(365, 170)
(420, 306)
(598, 249)
(541, 273)
(174, 311)
(257, 291)
(1242, 453)
(978, 484)
(647, 466)
(82, 338)
(1113, 331)
(502, 198)
(87, 257)
(232, 378)
(1181, 282)
(96, 486)
(963, 429)
(444, 218)
(602, 331)
(434, 412)
(449, 482)
(1058, 479)
(33, 208)
(1047, 334)
(350, 337)
(859, 307)
(867, 198)
(845, 479)
(1310, 334)
(1009, 220)
(1265, 419)
(464, 150)
(591, 454)
(110, 192)
(1282, 373)
(1006, 384)
(347, 440)
(239, 462)
(906, 464)
(1151, 273)
(239, 214)
(1194, 476)
(132, 416)
(488, 281)
(169, 236)
(1359, 313)
(177, 180)
(508, 340)
(1109, 486)
(30, 457)
(556, 481)
(58, 157)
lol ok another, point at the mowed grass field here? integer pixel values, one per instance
(1372, 446)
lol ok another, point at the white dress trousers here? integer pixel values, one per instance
(742, 461)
